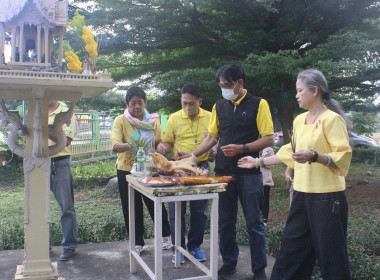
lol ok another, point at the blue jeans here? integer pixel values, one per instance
(61, 184)
(249, 189)
(198, 220)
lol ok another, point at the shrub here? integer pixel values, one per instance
(370, 155)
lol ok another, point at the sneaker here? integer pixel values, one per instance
(167, 243)
(182, 259)
(197, 253)
(225, 271)
(139, 249)
(67, 254)
(260, 274)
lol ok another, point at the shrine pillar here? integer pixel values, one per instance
(38, 41)
(60, 56)
(46, 33)
(21, 43)
(2, 42)
(13, 43)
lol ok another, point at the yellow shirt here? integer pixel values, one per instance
(122, 130)
(182, 131)
(328, 135)
(263, 119)
(69, 131)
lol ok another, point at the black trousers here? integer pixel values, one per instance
(316, 229)
(266, 203)
(139, 213)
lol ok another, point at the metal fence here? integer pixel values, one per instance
(92, 136)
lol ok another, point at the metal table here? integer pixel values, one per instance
(177, 194)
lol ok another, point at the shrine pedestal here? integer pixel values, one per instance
(37, 88)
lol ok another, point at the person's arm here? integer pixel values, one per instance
(304, 156)
(250, 162)
(206, 145)
(68, 139)
(121, 147)
(288, 175)
(117, 138)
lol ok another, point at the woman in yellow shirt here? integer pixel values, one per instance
(320, 155)
(134, 123)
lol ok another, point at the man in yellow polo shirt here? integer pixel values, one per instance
(61, 184)
(185, 130)
(243, 125)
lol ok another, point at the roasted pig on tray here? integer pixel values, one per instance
(178, 168)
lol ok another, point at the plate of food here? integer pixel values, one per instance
(158, 181)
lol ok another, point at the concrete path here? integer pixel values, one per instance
(110, 261)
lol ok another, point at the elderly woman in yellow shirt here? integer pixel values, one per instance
(134, 123)
(320, 155)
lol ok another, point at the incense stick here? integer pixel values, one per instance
(292, 140)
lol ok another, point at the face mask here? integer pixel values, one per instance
(191, 111)
(228, 93)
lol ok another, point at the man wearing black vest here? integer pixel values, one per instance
(237, 121)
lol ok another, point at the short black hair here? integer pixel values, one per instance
(135, 91)
(231, 73)
(192, 89)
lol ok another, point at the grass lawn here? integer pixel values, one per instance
(100, 216)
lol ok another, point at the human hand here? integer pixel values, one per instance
(288, 178)
(231, 150)
(162, 149)
(211, 154)
(181, 155)
(248, 162)
(302, 156)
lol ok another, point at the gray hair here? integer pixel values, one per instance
(314, 78)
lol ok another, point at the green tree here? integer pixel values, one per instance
(166, 43)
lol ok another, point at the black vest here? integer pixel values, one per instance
(237, 125)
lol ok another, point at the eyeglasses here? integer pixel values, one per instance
(226, 85)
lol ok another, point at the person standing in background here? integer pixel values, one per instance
(136, 123)
(186, 129)
(267, 182)
(61, 184)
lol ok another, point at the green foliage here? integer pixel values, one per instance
(111, 103)
(364, 122)
(139, 142)
(93, 174)
(273, 239)
(272, 41)
(369, 155)
(73, 38)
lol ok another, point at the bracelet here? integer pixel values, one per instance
(262, 162)
(257, 165)
(314, 158)
(329, 160)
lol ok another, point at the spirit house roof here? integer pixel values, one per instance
(53, 11)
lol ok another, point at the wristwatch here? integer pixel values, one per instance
(314, 158)
(245, 149)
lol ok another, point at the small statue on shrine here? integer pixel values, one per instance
(33, 56)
